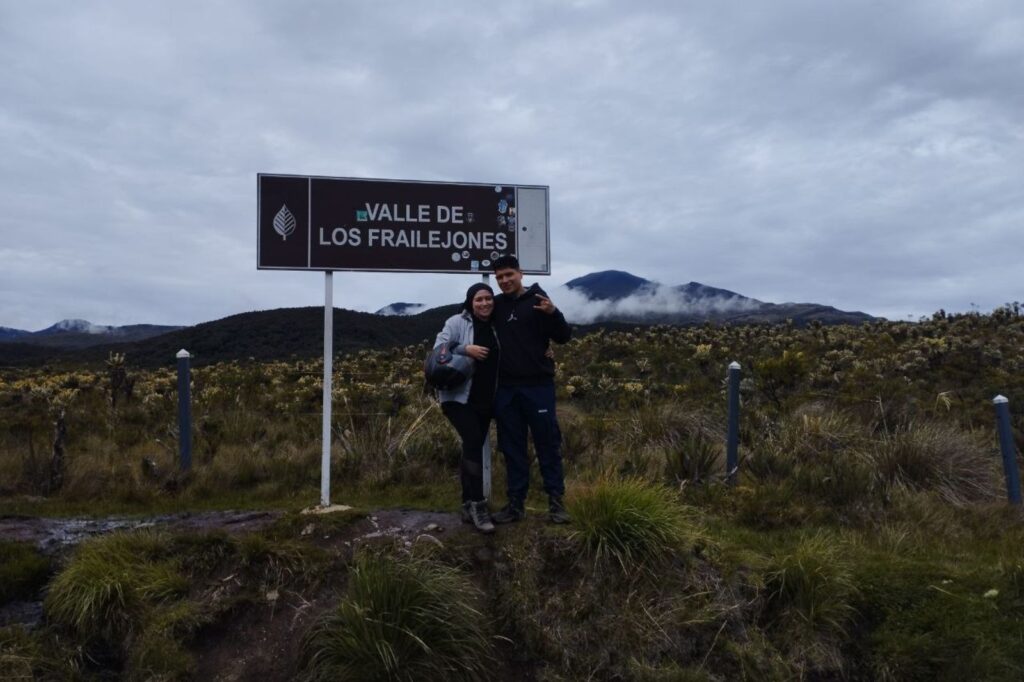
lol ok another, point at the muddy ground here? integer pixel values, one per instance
(264, 643)
(261, 641)
(53, 536)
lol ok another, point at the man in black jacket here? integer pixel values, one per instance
(526, 322)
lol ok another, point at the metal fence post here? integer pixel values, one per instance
(1009, 450)
(184, 410)
(733, 437)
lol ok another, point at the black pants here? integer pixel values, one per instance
(519, 409)
(472, 424)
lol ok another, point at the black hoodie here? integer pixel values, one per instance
(525, 335)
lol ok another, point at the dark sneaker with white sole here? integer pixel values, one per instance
(557, 512)
(510, 513)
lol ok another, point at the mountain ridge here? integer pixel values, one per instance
(79, 333)
(617, 297)
(629, 298)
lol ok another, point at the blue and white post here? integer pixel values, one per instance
(184, 410)
(1008, 449)
(733, 438)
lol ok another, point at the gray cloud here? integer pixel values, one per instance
(861, 155)
(651, 300)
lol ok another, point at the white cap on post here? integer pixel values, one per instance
(1000, 399)
(734, 365)
(183, 354)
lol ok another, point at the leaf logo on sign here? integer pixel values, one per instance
(284, 223)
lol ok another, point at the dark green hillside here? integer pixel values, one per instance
(25, 354)
(262, 335)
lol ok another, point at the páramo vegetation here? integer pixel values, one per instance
(865, 535)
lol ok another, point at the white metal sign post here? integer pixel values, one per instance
(325, 457)
(485, 460)
(358, 224)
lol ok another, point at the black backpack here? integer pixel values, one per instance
(446, 370)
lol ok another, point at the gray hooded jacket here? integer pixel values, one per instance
(458, 328)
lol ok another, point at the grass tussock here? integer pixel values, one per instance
(630, 523)
(136, 600)
(937, 457)
(403, 618)
(112, 585)
(813, 584)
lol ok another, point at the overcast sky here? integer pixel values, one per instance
(865, 155)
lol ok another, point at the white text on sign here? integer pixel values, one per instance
(406, 213)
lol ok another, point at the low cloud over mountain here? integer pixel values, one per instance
(618, 296)
(402, 309)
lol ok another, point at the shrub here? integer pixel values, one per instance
(402, 619)
(631, 522)
(821, 453)
(693, 456)
(376, 448)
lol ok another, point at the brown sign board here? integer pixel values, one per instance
(318, 223)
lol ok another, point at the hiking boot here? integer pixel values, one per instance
(556, 510)
(477, 514)
(510, 513)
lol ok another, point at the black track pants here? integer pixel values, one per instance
(472, 426)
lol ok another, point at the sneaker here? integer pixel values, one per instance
(556, 510)
(477, 514)
(512, 512)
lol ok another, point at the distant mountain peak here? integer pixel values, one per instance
(76, 325)
(614, 295)
(401, 309)
(610, 285)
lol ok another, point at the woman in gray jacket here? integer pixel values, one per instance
(470, 406)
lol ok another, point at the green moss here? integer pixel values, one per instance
(933, 620)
